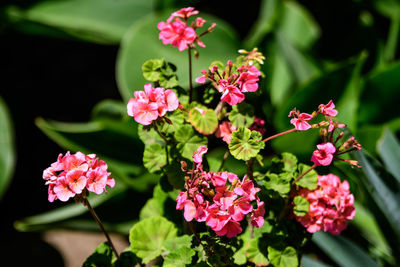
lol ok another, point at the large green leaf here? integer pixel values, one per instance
(141, 43)
(389, 149)
(154, 157)
(147, 237)
(383, 85)
(179, 251)
(242, 115)
(7, 151)
(343, 251)
(283, 258)
(310, 180)
(101, 21)
(36, 222)
(204, 121)
(383, 188)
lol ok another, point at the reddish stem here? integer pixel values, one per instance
(190, 75)
(279, 134)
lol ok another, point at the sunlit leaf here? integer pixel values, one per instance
(301, 206)
(188, 141)
(245, 144)
(154, 157)
(242, 115)
(204, 121)
(283, 258)
(310, 180)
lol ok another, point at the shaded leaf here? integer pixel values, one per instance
(388, 148)
(161, 72)
(7, 151)
(147, 237)
(242, 115)
(127, 259)
(155, 205)
(101, 257)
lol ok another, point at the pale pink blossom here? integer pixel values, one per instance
(328, 109)
(200, 22)
(76, 181)
(97, 180)
(176, 33)
(183, 13)
(62, 190)
(331, 205)
(143, 111)
(323, 156)
(171, 100)
(225, 130)
(300, 120)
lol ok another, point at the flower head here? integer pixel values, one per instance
(331, 205)
(328, 109)
(71, 175)
(324, 154)
(300, 120)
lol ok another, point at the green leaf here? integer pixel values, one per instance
(204, 121)
(188, 141)
(160, 71)
(242, 115)
(382, 187)
(127, 259)
(249, 250)
(310, 180)
(279, 182)
(289, 162)
(101, 257)
(173, 244)
(245, 144)
(7, 151)
(298, 25)
(383, 85)
(37, 222)
(388, 148)
(308, 261)
(283, 258)
(342, 251)
(349, 102)
(149, 137)
(301, 206)
(141, 43)
(154, 157)
(100, 21)
(179, 257)
(155, 205)
(147, 237)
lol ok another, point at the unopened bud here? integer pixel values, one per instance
(323, 132)
(229, 63)
(183, 166)
(196, 54)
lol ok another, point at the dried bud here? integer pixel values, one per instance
(183, 166)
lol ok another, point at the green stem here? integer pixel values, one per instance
(249, 165)
(190, 75)
(279, 134)
(97, 219)
(304, 173)
(161, 135)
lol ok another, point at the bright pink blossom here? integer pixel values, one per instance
(328, 109)
(248, 82)
(232, 95)
(324, 154)
(225, 130)
(176, 33)
(230, 229)
(300, 120)
(183, 13)
(198, 154)
(147, 106)
(331, 205)
(71, 175)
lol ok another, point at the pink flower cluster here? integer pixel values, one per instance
(179, 33)
(71, 175)
(232, 83)
(220, 199)
(151, 103)
(331, 205)
(301, 120)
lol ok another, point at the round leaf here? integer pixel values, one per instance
(242, 115)
(205, 121)
(245, 144)
(147, 237)
(310, 180)
(154, 157)
(188, 141)
(283, 258)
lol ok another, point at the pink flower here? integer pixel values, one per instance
(176, 33)
(257, 218)
(248, 82)
(183, 13)
(147, 106)
(198, 154)
(219, 179)
(258, 125)
(230, 229)
(331, 206)
(200, 22)
(232, 95)
(225, 130)
(202, 79)
(72, 174)
(324, 154)
(300, 121)
(328, 109)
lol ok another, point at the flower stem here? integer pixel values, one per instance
(223, 160)
(249, 165)
(190, 75)
(194, 232)
(279, 134)
(97, 219)
(161, 135)
(304, 173)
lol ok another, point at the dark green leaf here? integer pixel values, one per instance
(389, 149)
(301, 206)
(141, 43)
(101, 21)
(127, 259)
(343, 251)
(283, 258)
(147, 237)
(101, 257)
(7, 151)
(245, 144)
